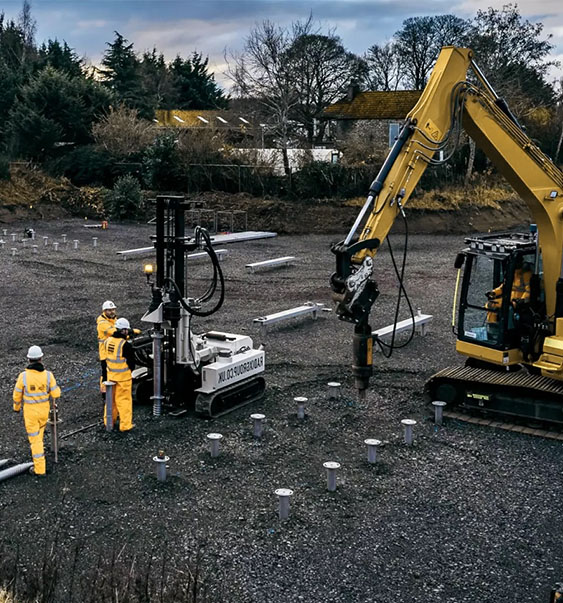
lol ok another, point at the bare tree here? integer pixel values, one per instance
(322, 72)
(419, 41)
(384, 67)
(28, 28)
(450, 30)
(417, 49)
(261, 71)
(122, 132)
(513, 53)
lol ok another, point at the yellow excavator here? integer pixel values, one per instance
(513, 344)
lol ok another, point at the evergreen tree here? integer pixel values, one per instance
(122, 75)
(60, 57)
(54, 108)
(16, 65)
(157, 81)
(195, 87)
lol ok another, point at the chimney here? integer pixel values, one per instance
(353, 90)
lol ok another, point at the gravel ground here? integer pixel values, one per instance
(466, 514)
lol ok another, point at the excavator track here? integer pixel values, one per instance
(231, 398)
(487, 396)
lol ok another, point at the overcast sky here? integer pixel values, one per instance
(211, 26)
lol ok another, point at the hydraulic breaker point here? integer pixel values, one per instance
(362, 346)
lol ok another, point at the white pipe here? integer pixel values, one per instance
(13, 471)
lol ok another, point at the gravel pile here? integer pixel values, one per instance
(465, 514)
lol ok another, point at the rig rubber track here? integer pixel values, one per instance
(230, 398)
(510, 396)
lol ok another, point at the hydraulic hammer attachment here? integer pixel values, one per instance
(362, 367)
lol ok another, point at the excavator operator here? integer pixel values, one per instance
(519, 296)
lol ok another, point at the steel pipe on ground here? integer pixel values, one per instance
(13, 471)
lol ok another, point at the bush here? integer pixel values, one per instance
(125, 200)
(4, 168)
(320, 179)
(163, 169)
(85, 165)
(122, 133)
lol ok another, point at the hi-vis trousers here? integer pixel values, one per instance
(35, 418)
(123, 405)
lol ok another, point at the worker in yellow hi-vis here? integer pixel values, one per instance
(120, 358)
(105, 325)
(34, 387)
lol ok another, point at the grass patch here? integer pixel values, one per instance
(455, 198)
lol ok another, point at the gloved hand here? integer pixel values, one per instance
(490, 295)
(132, 332)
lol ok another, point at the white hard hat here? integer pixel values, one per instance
(122, 323)
(34, 352)
(108, 305)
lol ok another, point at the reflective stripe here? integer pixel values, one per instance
(17, 389)
(117, 366)
(101, 340)
(35, 433)
(38, 456)
(38, 397)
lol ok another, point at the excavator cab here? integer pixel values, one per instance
(501, 299)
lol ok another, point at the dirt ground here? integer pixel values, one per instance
(466, 514)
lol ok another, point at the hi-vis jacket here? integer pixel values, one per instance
(520, 290)
(106, 327)
(119, 358)
(35, 386)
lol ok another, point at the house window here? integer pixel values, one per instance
(394, 128)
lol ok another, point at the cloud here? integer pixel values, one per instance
(211, 26)
(91, 23)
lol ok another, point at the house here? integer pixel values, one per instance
(247, 133)
(374, 115)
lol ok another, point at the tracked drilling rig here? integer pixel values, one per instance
(214, 372)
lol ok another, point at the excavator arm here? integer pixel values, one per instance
(448, 104)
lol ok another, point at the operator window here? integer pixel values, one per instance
(482, 319)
